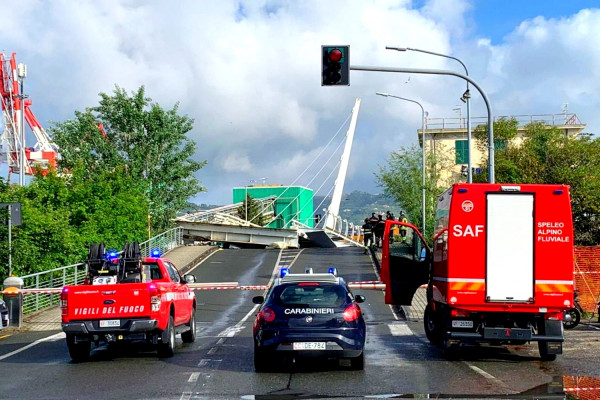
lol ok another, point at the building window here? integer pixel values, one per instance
(462, 151)
(500, 144)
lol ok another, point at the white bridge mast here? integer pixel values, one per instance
(336, 199)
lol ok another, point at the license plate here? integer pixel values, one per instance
(309, 345)
(462, 324)
(110, 323)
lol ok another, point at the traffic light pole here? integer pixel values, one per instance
(491, 177)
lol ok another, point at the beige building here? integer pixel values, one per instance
(447, 137)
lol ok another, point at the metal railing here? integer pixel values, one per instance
(461, 123)
(75, 274)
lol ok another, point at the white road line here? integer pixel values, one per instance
(186, 396)
(221, 341)
(60, 335)
(194, 377)
(489, 377)
(400, 330)
(212, 351)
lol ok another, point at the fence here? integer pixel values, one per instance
(587, 276)
(75, 274)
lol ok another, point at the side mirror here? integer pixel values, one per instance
(359, 298)
(189, 278)
(258, 299)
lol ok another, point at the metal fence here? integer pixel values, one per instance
(75, 274)
(461, 122)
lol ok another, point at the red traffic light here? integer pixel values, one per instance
(335, 55)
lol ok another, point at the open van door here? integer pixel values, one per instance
(405, 262)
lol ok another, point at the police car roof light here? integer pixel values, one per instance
(155, 253)
(332, 270)
(283, 272)
(308, 271)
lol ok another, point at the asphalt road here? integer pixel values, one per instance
(399, 359)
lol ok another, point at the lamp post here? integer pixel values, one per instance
(465, 98)
(422, 156)
(22, 74)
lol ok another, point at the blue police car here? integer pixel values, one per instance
(309, 315)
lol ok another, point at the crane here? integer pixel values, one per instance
(16, 108)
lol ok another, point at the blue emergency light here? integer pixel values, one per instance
(283, 272)
(112, 254)
(155, 253)
(332, 271)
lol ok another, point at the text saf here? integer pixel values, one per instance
(467, 231)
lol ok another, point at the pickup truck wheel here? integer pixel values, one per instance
(166, 348)
(190, 336)
(79, 351)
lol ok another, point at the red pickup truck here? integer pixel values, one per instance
(128, 298)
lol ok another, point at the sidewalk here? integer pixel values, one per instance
(184, 258)
(416, 310)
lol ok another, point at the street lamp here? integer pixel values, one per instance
(22, 74)
(465, 98)
(422, 156)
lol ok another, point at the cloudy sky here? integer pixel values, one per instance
(248, 71)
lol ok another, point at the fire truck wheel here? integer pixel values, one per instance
(543, 347)
(432, 324)
(79, 351)
(167, 347)
(190, 336)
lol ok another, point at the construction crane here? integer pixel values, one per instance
(16, 109)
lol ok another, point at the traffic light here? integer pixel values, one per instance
(335, 65)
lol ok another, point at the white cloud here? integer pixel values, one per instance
(248, 72)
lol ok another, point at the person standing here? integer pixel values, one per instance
(367, 234)
(379, 228)
(402, 218)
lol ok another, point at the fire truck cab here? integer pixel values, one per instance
(500, 270)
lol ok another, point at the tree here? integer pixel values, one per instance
(251, 210)
(401, 179)
(61, 215)
(547, 155)
(141, 139)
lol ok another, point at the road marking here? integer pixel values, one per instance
(204, 362)
(4, 336)
(212, 351)
(221, 341)
(60, 335)
(400, 330)
(194, 377)
(186, 396)
(489, 377)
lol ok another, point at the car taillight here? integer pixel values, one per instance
(351, 313)
(267, 314)
(154, 297)
(63, 301)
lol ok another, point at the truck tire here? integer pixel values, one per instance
(166, 348)
(190, 336)
(575, 318)
(79, 351)
(433, 326)
(543, 348)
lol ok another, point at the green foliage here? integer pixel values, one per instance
(143, 141)
(251, 210)
(547, 155)
(61, 215)
(401, 178)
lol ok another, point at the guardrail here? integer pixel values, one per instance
(75, 274)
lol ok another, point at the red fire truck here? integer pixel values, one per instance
(501, 267)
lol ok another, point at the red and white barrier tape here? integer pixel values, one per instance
(373, 285)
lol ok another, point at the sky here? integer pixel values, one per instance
(248, 73)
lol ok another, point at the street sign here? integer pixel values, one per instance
(15, 214)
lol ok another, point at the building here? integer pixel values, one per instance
(290, 202)
(448, 137)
